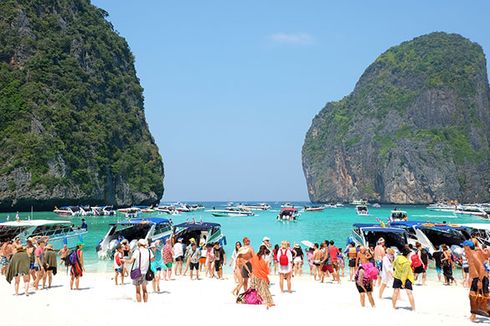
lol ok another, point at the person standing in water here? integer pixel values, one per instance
(403, 278)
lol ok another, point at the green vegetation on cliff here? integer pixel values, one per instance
(72, 107)
(416, 123)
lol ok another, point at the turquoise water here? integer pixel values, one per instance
(331, 224)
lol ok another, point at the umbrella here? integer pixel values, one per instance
(308, 243)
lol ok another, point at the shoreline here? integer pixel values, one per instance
(101, 302)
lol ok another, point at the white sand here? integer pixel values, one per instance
(209, 302)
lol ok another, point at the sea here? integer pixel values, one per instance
(329, 224)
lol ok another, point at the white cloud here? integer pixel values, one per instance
(292, 38)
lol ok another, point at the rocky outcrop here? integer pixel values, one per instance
(72, 127)
(414, 130)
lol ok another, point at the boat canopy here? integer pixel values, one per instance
(444, 227)
(149, 220)
(407, 223)
(364, 225)
(34, 222)
(285, 209)
(197, 226)
(380, 229)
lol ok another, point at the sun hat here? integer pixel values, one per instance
(266, 239)
(468, 243)
(180, 239)
(381, 240)
(142, 242)
(192, 240)
(296, 245)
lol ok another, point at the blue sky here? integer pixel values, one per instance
(231, 87)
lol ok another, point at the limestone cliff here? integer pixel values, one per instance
(415, 129)
(72, 126)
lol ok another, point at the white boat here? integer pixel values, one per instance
(480, 231)
(362, 210)
(288, 214)
(314, 208)
(151, 229)
(167, 209)
(210, 233)
(257, 207)
(130, 212)
(359, 202)
(108, 211)
(287, 205)
(67, 211)
(231, 212)
(442, 207)
(397, 215)
(474, 209)
(376, 205)
(57, 232)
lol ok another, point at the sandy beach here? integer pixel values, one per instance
(208, 302)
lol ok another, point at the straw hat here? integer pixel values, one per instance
(142, 242)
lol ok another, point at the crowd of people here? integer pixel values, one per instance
(369, 267)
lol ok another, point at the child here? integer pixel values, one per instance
(118, 265)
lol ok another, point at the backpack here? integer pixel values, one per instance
(283, 258)
(72, 258)
(416, 262)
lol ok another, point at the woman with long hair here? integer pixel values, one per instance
(260, 276)
(447, 265)
(285, 258)
(236, 271)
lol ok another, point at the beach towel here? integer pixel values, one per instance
(19, 264)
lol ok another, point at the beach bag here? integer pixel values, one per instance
(251, 296)
(150, 275)
(136, 273)
(480, 304)
(283, 258)
(72, 258)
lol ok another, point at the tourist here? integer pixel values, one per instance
(379, 253)
(156, 266)
(333, 252)
(202, 260)
(274, 257)
(424, 258)
(233, 265)
(32, 258)
(39, 264)
(364, 284)
(316, 261)
(416, 263)
(209, 260)
(465, 269)
(178, 250)
(266, 241)
(297, 260)
(309, 258)
(478, 275)
(245, 255)
(63, 252)
(84, 225)
(77, 266)
(219, 260)
(341, 263)
(403, 278)
(437, 256)
(167, 258)
(140, 261)
(51, 264)
(187, 249)
(285, 258)
(387, 271)
(447, 265)
(17, 268)
(260, 276)
(363, 256)
(126, 251)
(118, 264)
(193, 257)
(5, 255)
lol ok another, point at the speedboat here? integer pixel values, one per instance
(432, 235)
(257, 207)
(480, 231)
(367, 235)
(130, 212)
(475, 210)
(442, 207)
(67, 211)
(359, 202)
(208, 232)
(376, 205)
(231, 212)
(288, 214)
(108, 211)
(362, 210)
(287, 205)
(150, 228)
(314, 208)
(167, 209)
(58, 233)
(397, 215)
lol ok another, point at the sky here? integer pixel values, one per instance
(231, 87)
